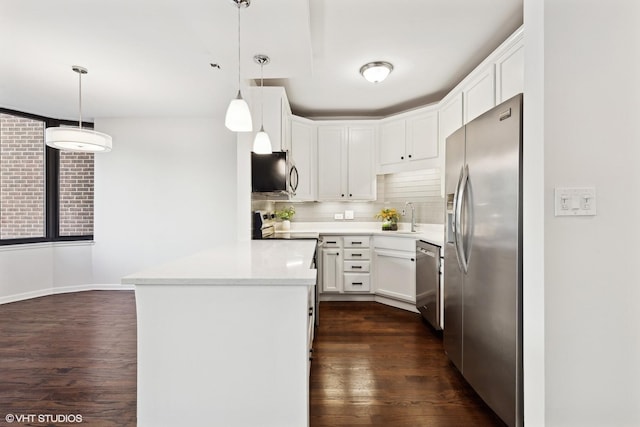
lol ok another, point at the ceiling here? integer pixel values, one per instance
(152, 58)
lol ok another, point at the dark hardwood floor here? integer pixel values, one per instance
(70, 354)
(75, 354)
(381, 366)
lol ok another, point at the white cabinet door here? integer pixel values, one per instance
(449, 120)
(346, 163)
(303, 157)
(332, 170)
(422, 136)
(361, 182)
(510, 73)
(395, 274)
(479, 95)
(392, 142)
(331, 270)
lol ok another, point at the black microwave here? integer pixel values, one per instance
(269, 172)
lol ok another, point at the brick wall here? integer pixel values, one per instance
(76, 193)
(22, 183)
(21, 177)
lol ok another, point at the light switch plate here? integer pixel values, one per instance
(338, 216)
(348, 214)
(575, 201)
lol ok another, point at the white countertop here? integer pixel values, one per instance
(256, 262)
(431, 233)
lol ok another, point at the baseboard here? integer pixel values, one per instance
(370, 297)
(397, 304)
(346, 297)
(64, 290)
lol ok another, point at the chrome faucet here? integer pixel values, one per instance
(413, 216)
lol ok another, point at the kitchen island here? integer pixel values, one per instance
(224, 336)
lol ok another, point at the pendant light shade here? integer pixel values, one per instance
(262, 142)
(238, 117)
(78, 139)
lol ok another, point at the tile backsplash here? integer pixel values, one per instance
(394, 190)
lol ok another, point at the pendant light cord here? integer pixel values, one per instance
(239, 6)
(80, 97)
(261, 95)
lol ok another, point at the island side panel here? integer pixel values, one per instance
(222, 355)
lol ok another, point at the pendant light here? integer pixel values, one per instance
(78, 139)
(238, 117)
(262, 142)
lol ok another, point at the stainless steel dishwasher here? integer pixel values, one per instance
(428, 282)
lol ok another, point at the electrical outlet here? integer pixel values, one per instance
(338, 216)
(348, 214)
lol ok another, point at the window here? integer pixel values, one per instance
(45, 194)
(75, 194)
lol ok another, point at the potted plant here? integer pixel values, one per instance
(389, 218)
(285, 215)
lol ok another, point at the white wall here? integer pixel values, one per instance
(166, 190)
(533, 216)
(591, 281)
(34, 270)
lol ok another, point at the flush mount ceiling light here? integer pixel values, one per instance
(376, 72)
(78, 139)
(262, 142)
(238, 117)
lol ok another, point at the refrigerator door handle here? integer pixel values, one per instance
(460, 249)
(457, 218)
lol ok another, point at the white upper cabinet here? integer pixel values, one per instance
(450, 118)
(392, 142)
(346, 162)
(303, 155)
(409, 141)
(361, 177)
(274, 109)
(422, 136)
(479, 94)
(510, 72)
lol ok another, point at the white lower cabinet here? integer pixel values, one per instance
(346, 264)
(311, 321)
(374, 265)
(395, 268)
(332, 264)
(357, 264)
(357, 282)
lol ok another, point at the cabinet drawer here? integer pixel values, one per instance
(354, 282)
(396, 243)
(356, 266)
(356, 241)
(332, 241)
(356, 254)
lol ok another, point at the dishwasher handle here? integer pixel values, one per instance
(426, 252)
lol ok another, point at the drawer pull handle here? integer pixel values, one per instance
(356, 266)
(331, 242)
(357, 283)
(356, 243)
(356, 254)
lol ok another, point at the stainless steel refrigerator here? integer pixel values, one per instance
(483, 257)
